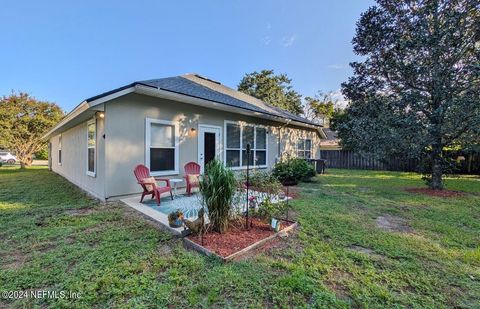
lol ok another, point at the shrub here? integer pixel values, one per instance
(293, 170)
(41, 155)
(268, 210)
(262, 181)
(217, 188)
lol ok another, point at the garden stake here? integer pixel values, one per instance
(248, 184)
(288, 168)
(203, 224)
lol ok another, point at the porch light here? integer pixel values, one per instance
(193, 130)
(101, 115)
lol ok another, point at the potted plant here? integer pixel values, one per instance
(175, 218)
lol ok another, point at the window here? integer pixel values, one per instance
(236, 139)
(91, 146)
(60, 149)
(304, 148)
(161, 147)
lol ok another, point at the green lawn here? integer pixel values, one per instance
(56, 238)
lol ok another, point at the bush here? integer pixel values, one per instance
(217, 188)
(41, 155)
(268, 210)
(293, 170)
(262, 181)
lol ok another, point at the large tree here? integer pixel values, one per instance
(273, 89)
(23, 121)
(416, 91)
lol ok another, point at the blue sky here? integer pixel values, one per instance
(66, 51)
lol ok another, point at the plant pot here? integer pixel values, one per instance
(176, 223)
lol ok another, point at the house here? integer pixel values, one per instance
(165, 123)
(330, 140)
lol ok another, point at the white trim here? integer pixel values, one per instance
(160, 93)
(243, 124)
(74, 113)
(89, 173)
(219, 143)
(304, 148)
(84, 106)
(59, 150)
(148, 122)
(169, 95)
(111, 96)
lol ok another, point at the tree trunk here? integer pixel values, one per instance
(437, 169)
(25, 161)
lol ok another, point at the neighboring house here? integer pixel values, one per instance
(329, 140)
(165, 123)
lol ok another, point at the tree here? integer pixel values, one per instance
(273, 89)
(417, 89)
(23, 121)
(321, 108)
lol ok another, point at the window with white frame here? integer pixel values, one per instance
(304, 148)
(161, 147)
(91, 146)
(236, 139)
(60, 149)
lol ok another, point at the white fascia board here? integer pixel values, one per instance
(74, 113)
(155, 92)
(111, 96)
(84, 106)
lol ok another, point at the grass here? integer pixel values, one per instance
(56, 238)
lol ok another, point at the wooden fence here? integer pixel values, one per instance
(350, 160)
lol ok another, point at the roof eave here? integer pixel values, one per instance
(174, 96)
(144, 89)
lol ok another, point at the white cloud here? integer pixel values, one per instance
(288, 40)
(337, 66)
(340, 101)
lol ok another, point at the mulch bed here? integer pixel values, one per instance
(237, 237)
(438, 193)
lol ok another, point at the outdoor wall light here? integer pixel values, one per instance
(193, 130)
(101, 115)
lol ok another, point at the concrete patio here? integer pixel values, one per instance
(189, 205)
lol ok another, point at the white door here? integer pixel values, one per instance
(208, 144)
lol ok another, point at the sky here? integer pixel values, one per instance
(67, 51)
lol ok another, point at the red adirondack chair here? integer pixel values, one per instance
(142, 173)
(191, 169)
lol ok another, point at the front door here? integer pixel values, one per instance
(208, 144)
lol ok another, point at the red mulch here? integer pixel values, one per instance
(438, 193)
(237, 237)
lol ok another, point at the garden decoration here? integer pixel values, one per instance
(275, 224)
(197, 225)
(248, 185)
(175, 218)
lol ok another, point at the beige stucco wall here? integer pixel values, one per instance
(125, 136)
(74, 158)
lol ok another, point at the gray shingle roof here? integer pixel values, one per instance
(196, 86)
(331, 135)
